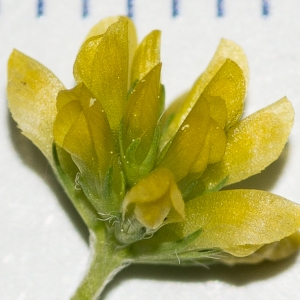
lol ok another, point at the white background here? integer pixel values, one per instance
(43, 243)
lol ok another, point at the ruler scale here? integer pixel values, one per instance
(130, 8)
(85, 8)
(175, 8)
(220, 8)
(40, 8)
(265, 7)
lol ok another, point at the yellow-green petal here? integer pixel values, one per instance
(101, 27)
(188, 142)
(272, 252)
(102, 64)
(227, 85)
(237, 221)
(217, 108)
(155, 199)
(82, 129)
(146, 57)
(226, 50)
(31, 93)
(217, 143)
(142, 113)
(253, 144)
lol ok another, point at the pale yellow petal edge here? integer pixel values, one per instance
(31, 94)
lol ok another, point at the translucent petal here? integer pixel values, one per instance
(226, 50)
(237, 221)
(102, 64)
(217, 144)
(201, 162)
(154, 198)
(146, 57)
(273, 252)
(142, 113)
(228, 85)
(213, 149)
(188, 142)
(102, 26)
(217, 108)
(31, 93)
(253, 144)
(82, 129)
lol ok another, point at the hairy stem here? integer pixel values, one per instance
(106, 262)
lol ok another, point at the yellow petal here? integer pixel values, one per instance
(82, 129)
(154, 198)
(142, 113)
(101, 27)
(237, 221)
(217, 108)
(31, 93)
(227, 85)
(217, 144)
(146, 57)
(201, 162)
(213, 149)
(226, 50)
(188, 142)
(102, 64)
(253, 144)
(273, 252)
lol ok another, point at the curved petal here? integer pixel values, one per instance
(227, 50)
(237, 221)
(82, 129)
(31, 93)
(101, 27)
(155, 199)
(146, 57)
(183, 151)
(102, 64)
(273, 252)
(253, 144)
(142, 113)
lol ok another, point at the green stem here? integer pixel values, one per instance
(107, 261)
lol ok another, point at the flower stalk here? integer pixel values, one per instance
(107, 261)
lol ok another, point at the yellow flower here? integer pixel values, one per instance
(146, 181)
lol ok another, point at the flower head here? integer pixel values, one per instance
(146, 181)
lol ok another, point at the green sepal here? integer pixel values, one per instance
(105, 197)
(66, 170)
(142, 113)
(171, 252)
(191, 185)
(135, 171)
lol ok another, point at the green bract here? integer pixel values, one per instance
(145, 180)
